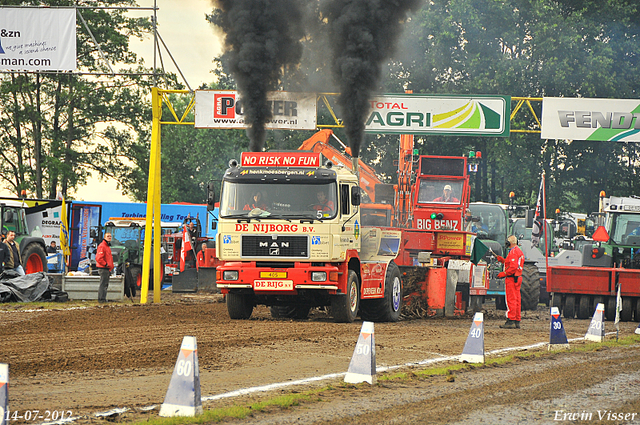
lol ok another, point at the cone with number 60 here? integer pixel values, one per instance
(183, 396)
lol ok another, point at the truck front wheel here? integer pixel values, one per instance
(344, 307)
(239, 306)
(34, 259)
(385, 309)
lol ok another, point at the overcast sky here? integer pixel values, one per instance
(193, 43)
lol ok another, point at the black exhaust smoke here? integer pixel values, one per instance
(363, 34)
(262, 36)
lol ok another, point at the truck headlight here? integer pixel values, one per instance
(318, 276)
(230, 275)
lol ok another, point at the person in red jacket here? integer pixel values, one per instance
(104, 263)
(513, 280)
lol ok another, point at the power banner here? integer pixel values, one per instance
(591, 119)
(224, 109)
(37, 39)
(446, 115)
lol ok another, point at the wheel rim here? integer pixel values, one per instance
(34, 264)
(396, 293)
(353, 296)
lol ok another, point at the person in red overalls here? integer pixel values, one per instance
(513, 280)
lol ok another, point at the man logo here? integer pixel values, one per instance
(274, 251)
(264, 244)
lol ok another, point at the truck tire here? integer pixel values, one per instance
(530, 289)
(556, 301)
(475, 303)
(569, 310)
(34, 259)
(637, 310)
(584, 309)
(344, 307)
(385, 309)
(627, 309)
(610, 309)
(239, 306)
(299, 312)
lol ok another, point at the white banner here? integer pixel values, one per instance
(476, 115)
(37, 39)
(591, 119)
(224, 109)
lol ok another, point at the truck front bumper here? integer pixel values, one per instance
(283, 280)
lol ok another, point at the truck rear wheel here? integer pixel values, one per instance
(530, 289)
(627, 309)
(344, 307)
(34, 259)
(385, 309)
(290, 312)
(584, 310)
(610, 309)
(569, 310)
(239, 306)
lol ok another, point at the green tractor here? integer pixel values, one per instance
(32, 249)
(493, 223)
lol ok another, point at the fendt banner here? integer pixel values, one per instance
(223, 109)
(37, 39)
(591, 119)
(475, 115)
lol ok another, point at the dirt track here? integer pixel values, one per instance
(97, 358)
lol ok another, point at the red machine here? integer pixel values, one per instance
(611, 262)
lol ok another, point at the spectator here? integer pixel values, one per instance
(104, 263)
(52, 249)
(13, 258)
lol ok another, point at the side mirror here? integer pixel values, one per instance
(214, 225)
(93, 233)
(355, 196)
(8, 216)
(211, 196)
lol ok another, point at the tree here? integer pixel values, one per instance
(57, 128)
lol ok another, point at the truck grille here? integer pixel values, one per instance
(268, 246)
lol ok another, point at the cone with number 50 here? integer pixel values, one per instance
(183, 396)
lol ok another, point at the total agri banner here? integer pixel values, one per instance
(37, 39)
(477, 115)
(224, 109)
(603, 120)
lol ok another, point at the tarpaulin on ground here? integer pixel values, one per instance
(29, 288)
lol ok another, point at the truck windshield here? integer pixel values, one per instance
(625, 229)
(278, 200)
(439, 191)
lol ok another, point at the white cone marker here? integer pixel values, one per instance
(557, 334)
(596, 328)
(473, 351)
(183, 396)
(4, 393)
(363, 362)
